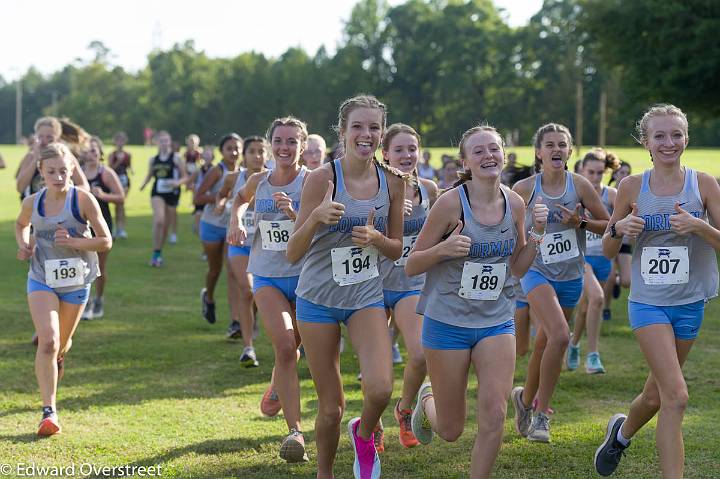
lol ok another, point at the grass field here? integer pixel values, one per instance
(153, 384)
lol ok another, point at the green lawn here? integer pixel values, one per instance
(153, 384)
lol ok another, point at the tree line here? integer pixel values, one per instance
(440, 65)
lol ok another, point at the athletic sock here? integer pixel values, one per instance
(621, 439)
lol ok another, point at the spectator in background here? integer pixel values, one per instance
(192, 153)
(514, 172)
(148, 135)
(314, 154)
(424, 169)
(449, 173)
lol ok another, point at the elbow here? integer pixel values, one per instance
(412, 269)
(106, 245)
(292, 253)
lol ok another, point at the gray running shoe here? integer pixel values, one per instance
(88, 312)
(608, 455)
(540, 428)
(234, 331)
(98, 311)
(292, 449)
(593, 365)
(419, 422)
(523, 415)
(248, 358)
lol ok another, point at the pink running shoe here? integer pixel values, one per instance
(367, 462)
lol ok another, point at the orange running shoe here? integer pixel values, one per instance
(270, 403)
(404, 419)
(379, 437)
(49, 424)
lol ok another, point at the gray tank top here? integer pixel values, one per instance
(208, 215)
(593, 241)
(393, 272)
(47, 253)
(273, 229)
(451, 284)
(561, 253)
(668, 268)
(336, 273)
(248, 219)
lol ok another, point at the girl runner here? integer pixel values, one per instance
(63, 264)
(277, 199)
(401, 150)
(194, 182)
(166, 170)
(29, 180)
(348, 207)
(674, 273)
(554, 282)
(119, 161)
(622, 262)
(473, 240)
(106, 188)
(254, 157)
(597, 270)
(213, 227)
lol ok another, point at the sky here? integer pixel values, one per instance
(49, 34)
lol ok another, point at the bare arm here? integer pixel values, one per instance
(430, 247)
(22, 229)
(149, 175)
(236, 233)
(117, 194)
(202, 195)
(525, 252)
(316, 208)
(684, 223)
(624, 216)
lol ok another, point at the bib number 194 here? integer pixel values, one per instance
(354, 265)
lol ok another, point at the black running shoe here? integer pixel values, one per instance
(208, 308)
(616, 290)
(234, 331)
(608, 455)
(606, 315)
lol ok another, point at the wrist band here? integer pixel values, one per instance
(536, 237)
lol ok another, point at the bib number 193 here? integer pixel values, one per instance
(61, 273)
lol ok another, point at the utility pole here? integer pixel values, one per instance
(18, 111)
(603, 118)
(578, 116)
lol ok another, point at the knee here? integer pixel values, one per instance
(675, 400)
(651, 398)
(492, 418)
(450, 432)
(559, 340)
(330, 414)
(286, 353)
(244, 291)
(416, 359)
(49, 346)
(596, 300)
(377, 392)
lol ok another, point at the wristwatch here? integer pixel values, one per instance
(583, 223)
(613, 231)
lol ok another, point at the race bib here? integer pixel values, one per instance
(593, 240)
(482, 281)
(559, 246)
(275, 234)
(164, 185)
(60, 273)
(665, 265)
(248, 221)
(354, 264)
(408, 243)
